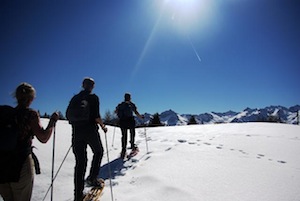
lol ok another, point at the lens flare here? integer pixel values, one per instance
(190, 14)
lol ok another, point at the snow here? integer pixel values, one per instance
(215, 162)
(242, 114)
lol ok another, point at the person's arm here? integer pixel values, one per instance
(137, 113)
(42, 134)
(100, 122)
(97, 116)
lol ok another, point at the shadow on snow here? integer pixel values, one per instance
(116, 168)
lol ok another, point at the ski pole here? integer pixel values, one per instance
(109, 170)
(53, 155)
(57, 172)
(146, 139)
(113, 140)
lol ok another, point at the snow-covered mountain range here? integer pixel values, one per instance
(271, 113)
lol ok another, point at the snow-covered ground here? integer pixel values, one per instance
(220, 162)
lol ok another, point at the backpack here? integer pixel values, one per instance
(10, 168)
(12, 149)
(124, 110)
(78, 111)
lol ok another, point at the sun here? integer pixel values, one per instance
(189, 13)
(183, 6)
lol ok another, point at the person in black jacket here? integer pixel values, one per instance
(125, 112)
(86, 133)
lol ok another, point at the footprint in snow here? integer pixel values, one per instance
(134, 160)
(168, 149)
(114, 183)
(243, 152)
(260, 156)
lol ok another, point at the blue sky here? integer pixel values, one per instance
(191, 56)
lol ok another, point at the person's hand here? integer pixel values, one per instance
(55, 116)
(53, 119)
(104, 128)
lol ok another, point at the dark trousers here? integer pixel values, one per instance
(83, 136)
(124, 137)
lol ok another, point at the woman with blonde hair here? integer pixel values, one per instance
(19, 188)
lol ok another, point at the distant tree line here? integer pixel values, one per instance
(271, 118)
(192, 121)
(155, 121)
(47, 116)
(110, 118)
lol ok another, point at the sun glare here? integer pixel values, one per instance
(189, 14)
(183, 6)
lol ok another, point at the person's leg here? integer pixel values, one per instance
(22, 190)
(79, 150)
(124, 141)
(132, 132)
(6, 192)
(94, 142)
(132, 138)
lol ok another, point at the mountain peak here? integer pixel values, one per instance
(270, 113)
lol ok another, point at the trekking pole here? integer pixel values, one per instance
(53, 155)
(113, 140)
(297, 117)
(109, 170)
(146, 139)
(57, 172)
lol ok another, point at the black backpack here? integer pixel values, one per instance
(124, 110)
(11, 149)
(9, 168)
(78, 111)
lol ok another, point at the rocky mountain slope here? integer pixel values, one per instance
(271, 113)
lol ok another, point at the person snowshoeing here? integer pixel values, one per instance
(17, 184)
(85, 132)
(125, 111)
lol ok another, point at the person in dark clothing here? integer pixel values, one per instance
(86, 133)
(125, 112)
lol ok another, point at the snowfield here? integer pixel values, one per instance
(216, 162)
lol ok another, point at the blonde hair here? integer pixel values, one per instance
(24, 94)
